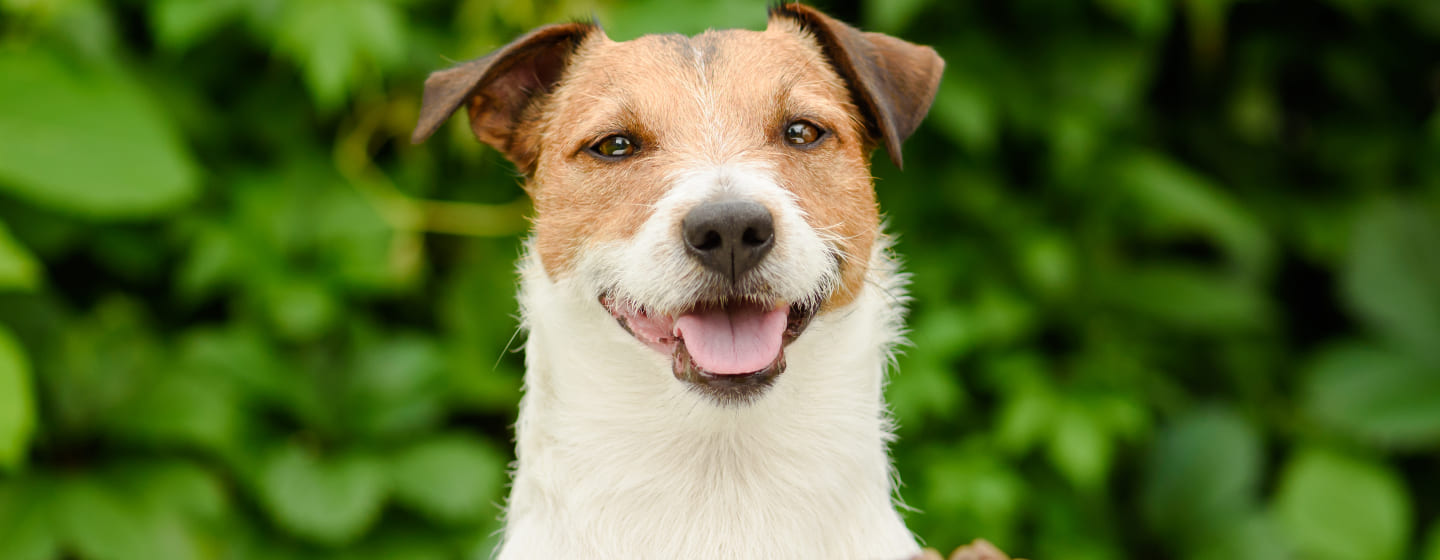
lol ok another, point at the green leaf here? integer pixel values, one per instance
(1189, 297)
(17, 406)
(87, 141)
(1337, 507)
(1391, 275)
(1177, 201)
(25, 529)
(972, 484)
(180, 24)
(336, 40)
(1252, 536)
(1048, 263)
(102, 523)
(1080, 447)
(451, 478)
(184, 488)
(395, 386)
(1375, 394)
(330, 500)
(301, 308)
(18, 268)
(185, 407)
(1025, 417)
(1202, 474)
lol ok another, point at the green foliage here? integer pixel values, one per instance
(130, 162)
(1334, 506)
(17, 407)
(1176, 277)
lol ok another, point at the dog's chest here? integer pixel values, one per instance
(618, 460)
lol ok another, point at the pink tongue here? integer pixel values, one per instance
(742, 339)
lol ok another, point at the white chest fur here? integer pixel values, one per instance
(618, 459)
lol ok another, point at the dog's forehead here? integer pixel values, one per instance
(742, 69)
(714, 52)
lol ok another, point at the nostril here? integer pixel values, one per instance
(709, 242)
(754, 237)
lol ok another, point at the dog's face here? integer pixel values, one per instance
(713, 193)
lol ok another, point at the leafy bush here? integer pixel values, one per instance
(1177, 277)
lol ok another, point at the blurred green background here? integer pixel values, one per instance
(1177, 277)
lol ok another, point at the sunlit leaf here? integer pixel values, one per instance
(87, 140)
(1336, 507)
(1080, 447)
(330, 500)
(17, 404)
(451, 478)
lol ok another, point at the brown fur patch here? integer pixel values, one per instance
(722, 96)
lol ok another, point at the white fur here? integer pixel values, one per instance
(619, 459)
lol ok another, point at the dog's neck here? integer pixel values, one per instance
(617, 458)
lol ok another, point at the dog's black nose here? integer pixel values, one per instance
(729, 236)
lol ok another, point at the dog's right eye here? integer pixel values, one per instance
(614, 146)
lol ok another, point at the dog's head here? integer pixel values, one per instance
(713, 192)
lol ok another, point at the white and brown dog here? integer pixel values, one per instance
(710, 301)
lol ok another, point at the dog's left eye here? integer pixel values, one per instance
(614, 146)
(801, 134)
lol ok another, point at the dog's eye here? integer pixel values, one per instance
(614, 146)
(801, 134)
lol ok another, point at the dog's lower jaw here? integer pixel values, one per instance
(618, 459)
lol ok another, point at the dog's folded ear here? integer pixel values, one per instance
(893, 81)
(499, 86)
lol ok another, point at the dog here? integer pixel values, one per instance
(710, 301)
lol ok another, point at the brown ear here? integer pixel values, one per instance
(893, 81)
(499, 86)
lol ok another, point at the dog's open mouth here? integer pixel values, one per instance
(734, 349)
